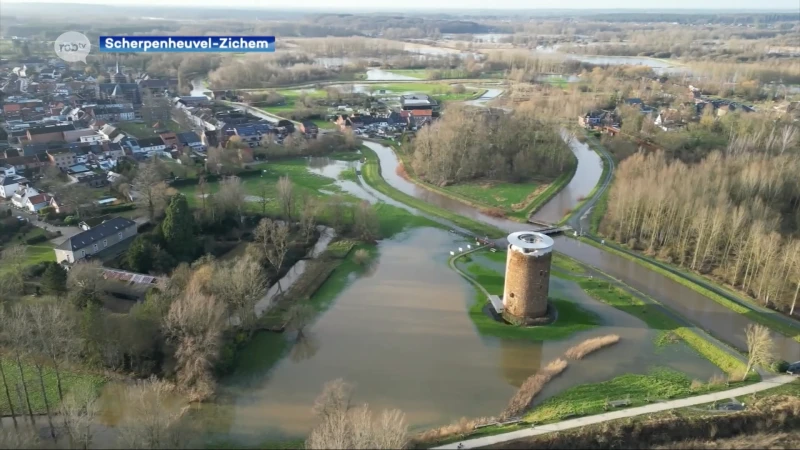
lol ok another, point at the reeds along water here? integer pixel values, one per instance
(591, 345)
(521, 401)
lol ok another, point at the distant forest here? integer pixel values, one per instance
(689, 18)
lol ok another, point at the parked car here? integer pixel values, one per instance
(794, 369)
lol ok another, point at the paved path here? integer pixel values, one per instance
(621, 414)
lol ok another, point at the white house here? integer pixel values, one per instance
(8, 186)
(151, 145)
(20, 197)
(8, 170)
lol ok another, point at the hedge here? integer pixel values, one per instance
(117, 208)
(36, 239)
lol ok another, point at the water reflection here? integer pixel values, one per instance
(305, 346)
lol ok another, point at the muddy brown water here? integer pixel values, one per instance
(720, 321)
(402, 336)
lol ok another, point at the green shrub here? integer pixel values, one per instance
(70, 221)
(36, 239)
(779, 366)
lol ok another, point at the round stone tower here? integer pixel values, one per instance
(527, 276)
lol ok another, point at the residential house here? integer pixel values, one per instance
(58, 205)
(421, 116)
(20, 198)
(120, 91)
(34, 203)
(131, 145)
(8, 170)
(111, 235)
(151, 144)
(309, 128)
(248, 135)
(169, 139)
(668, 119)
(112, 113)
(189, 101)
(190, 139)
(115, 150)
(62, 158)
(92, 179)
(8, 186)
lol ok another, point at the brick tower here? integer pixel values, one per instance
(527, 276)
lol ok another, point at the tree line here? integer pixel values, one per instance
(735, 218)
(466, 145)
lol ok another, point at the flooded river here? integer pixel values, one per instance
(401, 334)
(715, 318)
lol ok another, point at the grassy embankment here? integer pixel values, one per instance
(371, 173)
(68, 380)
(515, 201)
(772, 410)
(661, 268)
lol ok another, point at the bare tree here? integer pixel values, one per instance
(240, 285)
(335, 398)
(149, 188)
(230, 197)
(365, 222)
(308, 217)
(151, 418)
(298, 316)
(286, 196)
(195, 323)
(78, 196)
(342, 426)
(23, 317)
(85, 282)
(14, 334)
(273, 238)
(202, 188)
(80, 409)
(55, 331)
(760, 347)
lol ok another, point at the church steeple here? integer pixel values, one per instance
(118, 76)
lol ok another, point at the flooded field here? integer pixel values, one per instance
(401, 334)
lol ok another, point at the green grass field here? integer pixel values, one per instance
(68, 380)
(35, 254)
(589, 399)
(291, 96)
(494, 194)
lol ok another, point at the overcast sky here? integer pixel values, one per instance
(448, 4)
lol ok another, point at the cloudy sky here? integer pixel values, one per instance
(454, 4)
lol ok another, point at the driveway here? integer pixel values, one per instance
(33, 219)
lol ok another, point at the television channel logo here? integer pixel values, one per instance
(72, 46)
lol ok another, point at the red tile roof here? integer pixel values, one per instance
(421, 112)
(37, 199)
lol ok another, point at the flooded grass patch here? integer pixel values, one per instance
(676, 275)
(652, 315)
(267, 348)
(493, 194)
